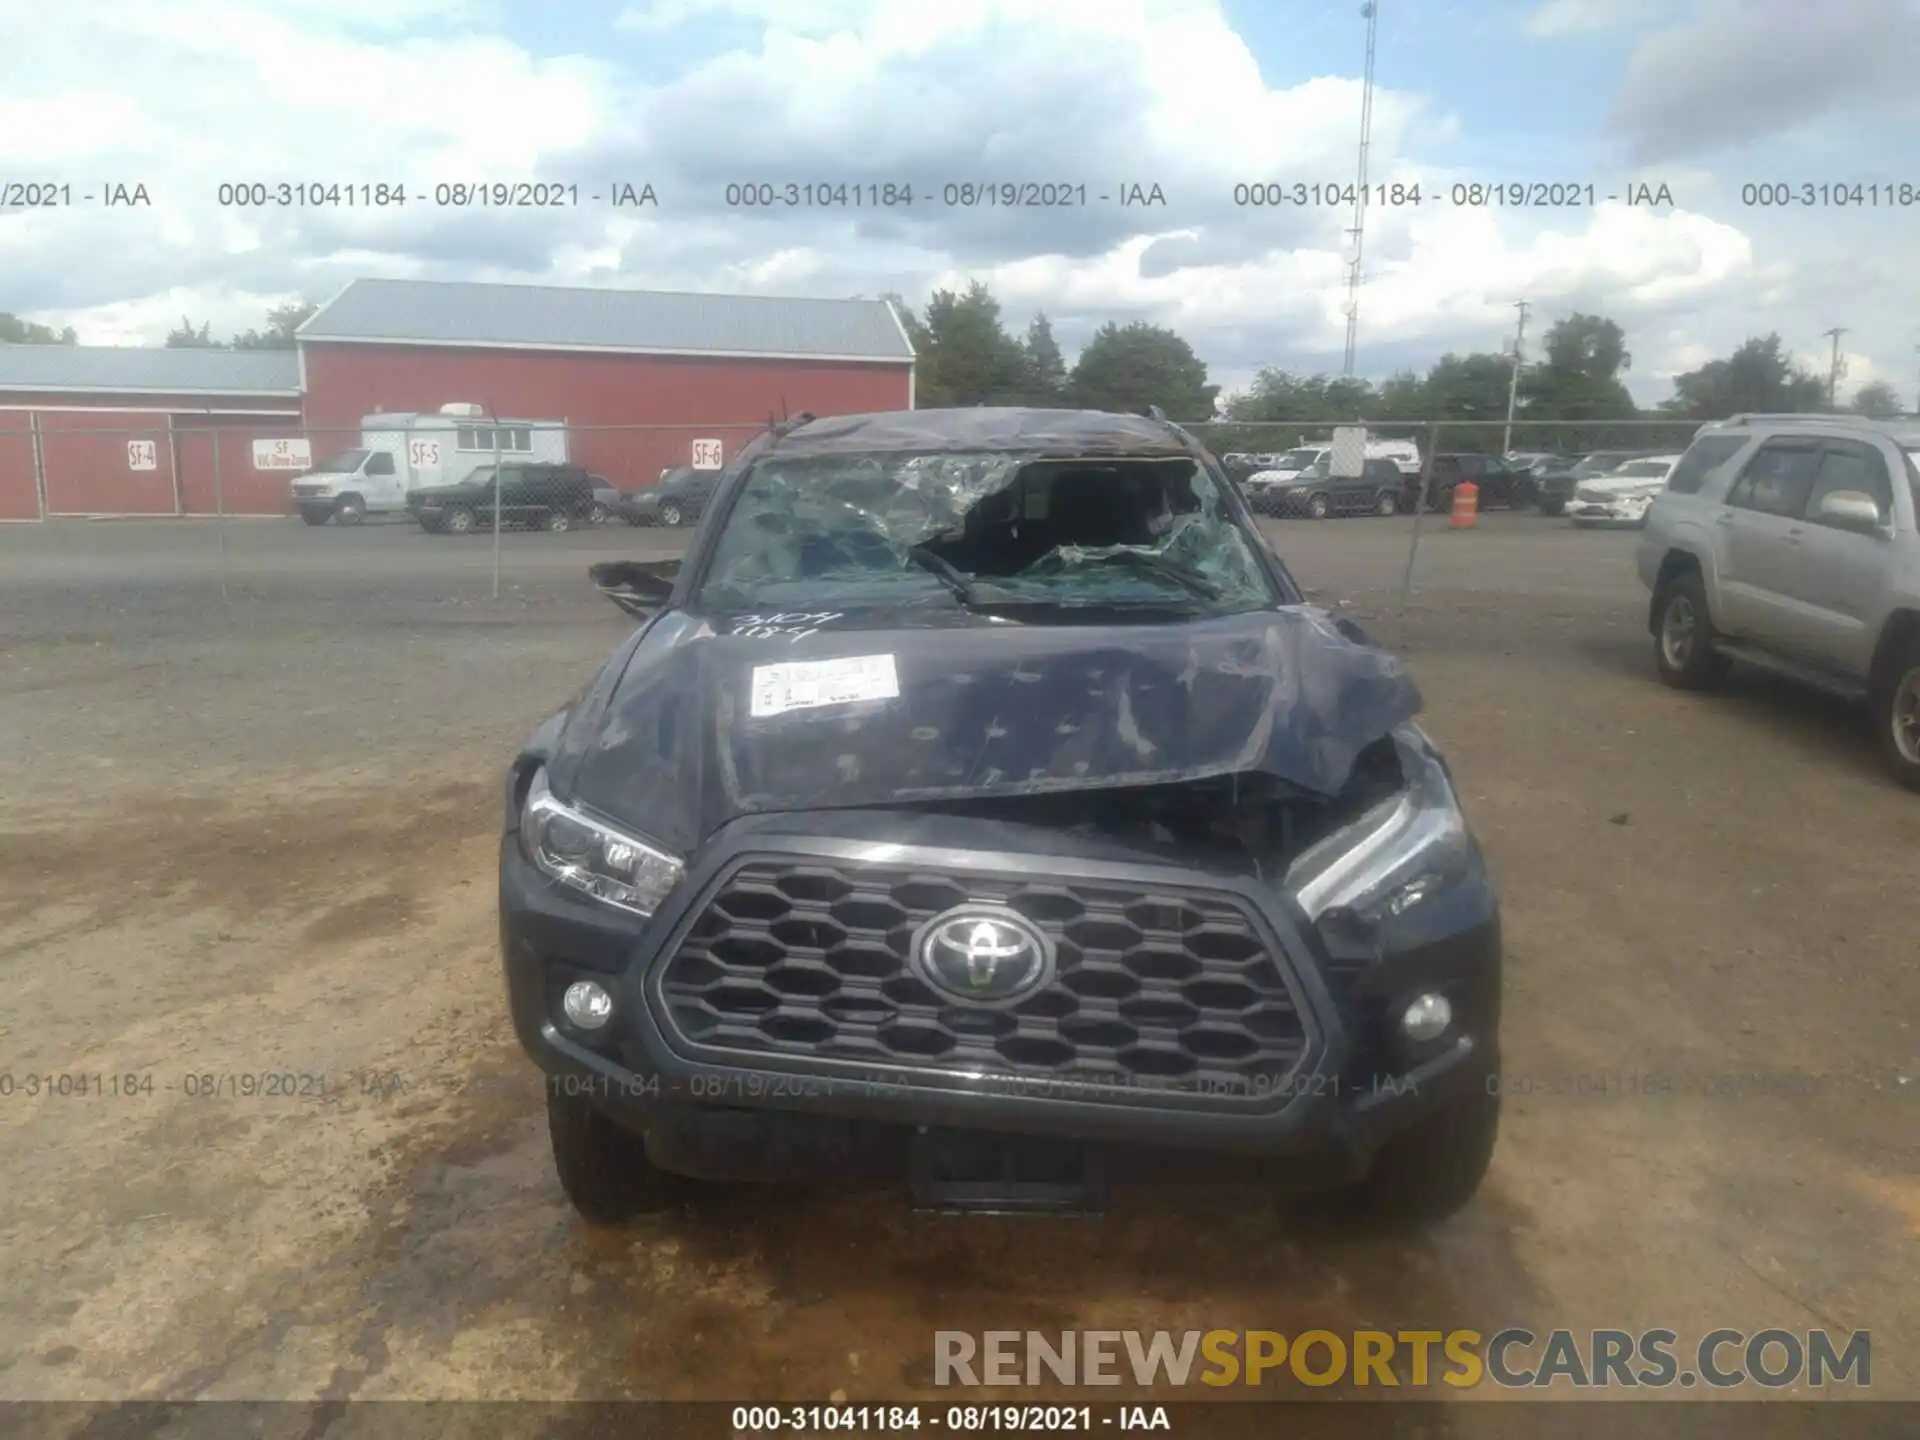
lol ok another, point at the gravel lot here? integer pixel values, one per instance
(253, 836)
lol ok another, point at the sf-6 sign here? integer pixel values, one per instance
(282, 455)
(707, 455)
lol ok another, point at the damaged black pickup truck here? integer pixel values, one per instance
(980, 805)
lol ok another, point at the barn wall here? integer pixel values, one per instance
(19, 490)
(243, 489)
(87, 468)
(731, 397)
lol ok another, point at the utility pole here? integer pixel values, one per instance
(1370, 12)
(1513, 379)
(1833, 367)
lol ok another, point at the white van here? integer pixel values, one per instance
(400, 452)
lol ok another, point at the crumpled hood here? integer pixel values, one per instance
(675, 750)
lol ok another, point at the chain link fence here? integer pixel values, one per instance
(478, 503)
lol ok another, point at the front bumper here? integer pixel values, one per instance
(1345, 1082)
(1608, 511)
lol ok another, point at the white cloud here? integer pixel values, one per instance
(1558, 19)
(197, 92)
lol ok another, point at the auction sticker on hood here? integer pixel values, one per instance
(805, 684)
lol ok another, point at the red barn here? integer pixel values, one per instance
(116, 430)
(636, 376)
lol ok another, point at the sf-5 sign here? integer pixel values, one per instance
(143, 455)
(707, 455)
(282, 455)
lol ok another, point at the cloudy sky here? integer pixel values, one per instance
(1705, 97)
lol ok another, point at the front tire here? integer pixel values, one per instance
(458, 521)
(1896, 717)
(316, 514)
(1431, 1169)
(1683, 635)
(350, 510)
(602, 1165)
(1319, 507)
(670, 514)
(1552, 507)
(1388, 503)
(557, 522)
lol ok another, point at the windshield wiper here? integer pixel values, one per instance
(962, 588)
(1186, 579)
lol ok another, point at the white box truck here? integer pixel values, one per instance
(400, 452)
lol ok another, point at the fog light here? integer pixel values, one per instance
(588, 1005)
(1427, 1018)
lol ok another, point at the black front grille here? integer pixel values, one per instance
(1155, 993)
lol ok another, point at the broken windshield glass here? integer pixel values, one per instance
(986, 528)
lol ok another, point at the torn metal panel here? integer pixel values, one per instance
(986, 427)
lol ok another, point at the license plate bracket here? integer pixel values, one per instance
(967, 1172)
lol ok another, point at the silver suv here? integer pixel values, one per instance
(1793, 542)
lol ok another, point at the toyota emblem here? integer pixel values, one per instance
(984, 955)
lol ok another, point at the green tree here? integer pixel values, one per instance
(1046, 368)
(1877, 400)
(966, 355)
(1403, 396)
(282, 321)
(1589, 345)
(1129, 367)
(1578, 379)
(15, 331)
(1759, 376)
(185, 337)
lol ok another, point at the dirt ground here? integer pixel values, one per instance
(248, 847)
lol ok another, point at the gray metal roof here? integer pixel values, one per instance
(545, 317)
(136, 370)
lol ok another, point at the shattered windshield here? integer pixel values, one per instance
(984, 529)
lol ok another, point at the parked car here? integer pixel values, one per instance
(544, 497)
(1622, 495)
(1554, 486)
(1792, 542)
(607, 500)
(1499, 483)
(1239, 464)
(906, 843)
(1285, 467)
(677, 498)
(1318, 493)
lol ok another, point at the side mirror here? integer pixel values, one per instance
(637, 587)
(1850, 510)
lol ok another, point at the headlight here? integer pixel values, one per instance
(591, 856)
(1396, 854)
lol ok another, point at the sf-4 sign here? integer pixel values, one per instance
(143, 455)
(707, 455)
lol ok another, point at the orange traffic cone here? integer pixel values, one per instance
(1466, 506)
